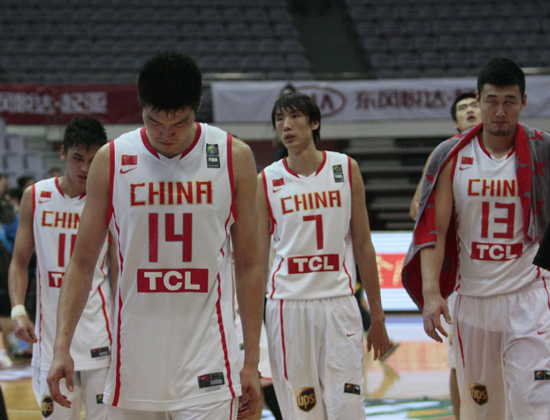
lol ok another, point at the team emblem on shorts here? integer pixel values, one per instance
(47, 406)
(305, 398)
(212, 156)
(479, 393)
(542, 375)
(352, 389)
(338, 173)
(99, 399)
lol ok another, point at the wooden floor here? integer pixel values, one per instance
(417, 369)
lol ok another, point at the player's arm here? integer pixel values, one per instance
(413, 210)
(264, 226)
(18, 277)
(92, 233)
(365, 256)
(432, 258)
(248, 273)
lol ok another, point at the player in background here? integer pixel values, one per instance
(313, 204)
(481, 217)
(174, 194)
(466, 114)
(49, 217)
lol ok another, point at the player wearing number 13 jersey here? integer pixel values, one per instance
(313, 205)
(174, 194)
(49, 220)
(483, 212)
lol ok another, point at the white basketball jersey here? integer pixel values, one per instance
(55, 222)
(175, 343)
(493, 255)
(310, 223)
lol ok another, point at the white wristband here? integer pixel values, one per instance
(17, 311)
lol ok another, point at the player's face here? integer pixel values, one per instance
(294, 128)
(77, 164)
(468, 114)
(501, 107)
(169, 133)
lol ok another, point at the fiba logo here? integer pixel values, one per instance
(479, 393)
(305, 398)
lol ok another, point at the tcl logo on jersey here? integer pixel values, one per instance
(55, 278)
(313, 264)
(479, 393)
(177, 280)
(496, 252)
(305, 398)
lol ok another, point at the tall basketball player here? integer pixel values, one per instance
(313, 204)
(173, 194)
(49, 218)
(480, 222)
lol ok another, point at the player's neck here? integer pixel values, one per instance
(69, 188)
(498, 146)
(305, 162)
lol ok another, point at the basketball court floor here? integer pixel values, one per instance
(413, 383)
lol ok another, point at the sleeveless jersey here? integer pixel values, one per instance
(55, 222)
(494, 257)
(310, 225)
(175, 344)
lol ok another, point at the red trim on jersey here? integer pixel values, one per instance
(269, 209)
(458, 332)
(487, 152)
(117, 375)
(112, 165)
(231, 175)
(223, 340)
(195, 141)
(322, 163)
(350, 174)
(104, 309)
(39, 316)
(283, 338)
(145, 140)
(352, 289)
(56, 181)
(273, 278)
(290, 171)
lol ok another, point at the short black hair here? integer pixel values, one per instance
(170, 81)
(501, 72)
(86, 130)
(299, 102)
(460, 97)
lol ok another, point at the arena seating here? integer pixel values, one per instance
(403, 38)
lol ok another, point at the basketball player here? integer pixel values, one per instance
(313, 204)
(49, 218)
(466, 114)
(173, 194)
(542, 259)
(481, 219)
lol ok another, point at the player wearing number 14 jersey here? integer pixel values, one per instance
(313, 205)
(175, 194)
(49, 219)
(484, 210)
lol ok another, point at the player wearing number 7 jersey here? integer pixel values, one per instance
(174, 194)
(484, 211)
(313, 205)
(49, 218)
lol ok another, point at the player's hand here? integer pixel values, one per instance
(248, 401)
(62, 368)
(434, 307)
(377, 339)
(23, 329)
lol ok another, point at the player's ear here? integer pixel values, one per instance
(63, 153)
